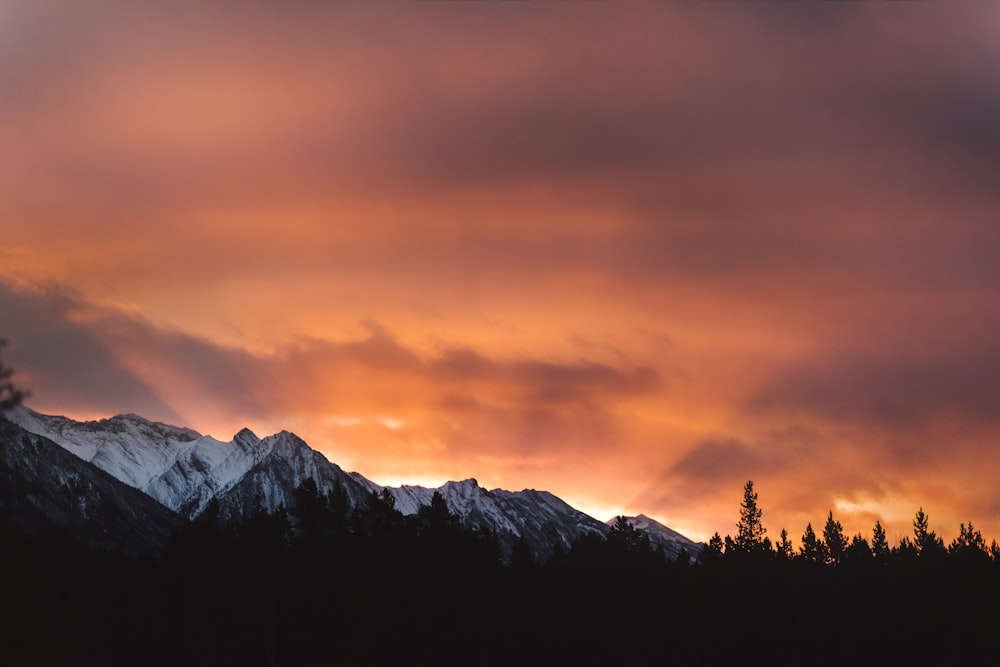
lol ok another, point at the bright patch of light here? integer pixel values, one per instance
(391, 422)
(857, 507)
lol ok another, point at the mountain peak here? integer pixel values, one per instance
(246, 436)
(183, 471)
(470, 483)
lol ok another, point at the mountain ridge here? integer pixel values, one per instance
(45, 489)
(184, 470)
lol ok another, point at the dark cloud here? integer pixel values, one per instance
(116, 355)
(904, 392)
(62, 363)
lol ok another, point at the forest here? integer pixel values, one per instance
(320, 584)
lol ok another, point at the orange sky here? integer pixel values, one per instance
(632, 255)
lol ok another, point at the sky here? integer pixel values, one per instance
(631, 254)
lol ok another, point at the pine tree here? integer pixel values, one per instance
(784, 547)
(905, 550)
(10, 395)
(713, 552)
(812, 550)
(880, 546)
(750, 531)
(625, 535)
(833, 537)
(858, 551)
(926, 542)
(969, 543)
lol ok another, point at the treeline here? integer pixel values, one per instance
(833, 547)
(320, 584)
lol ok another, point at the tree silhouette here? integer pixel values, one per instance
(880, 546)
(750, 531)
(925, 540)
(833, 537)
(784, 547)
(712, 553)
(9, 394)
(812, 550)
(858, 551)
(625, 535)
(969, 543)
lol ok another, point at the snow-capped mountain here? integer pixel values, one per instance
(670, 542)
(540, 518)
(184, 470)
(44, 488)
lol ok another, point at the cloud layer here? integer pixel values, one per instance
(634, 255)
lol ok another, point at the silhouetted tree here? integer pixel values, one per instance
(812, 550)
(624, 535)
(750, 531)
(925, 541)
(437, 515)
(310, 511)
(833, 538)
(784, 547)
(712, 552)
(969, 543)
(858, 551)
(905, 550)
(379, 519)
(880, 546)
(9, 394)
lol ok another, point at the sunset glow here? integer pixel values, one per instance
(633, 255)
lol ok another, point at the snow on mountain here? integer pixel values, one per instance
(130, 448)
(44, 487)
(185, 470)
(540, 518)
(288, 462)
(670, 542)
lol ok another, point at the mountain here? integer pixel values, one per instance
(183, 470)
(669, 541)
(46, 490)
(543, 520)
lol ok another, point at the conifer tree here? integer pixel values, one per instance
(784, 547)
(858, 551)
(9, 394)
(905, 549)
(625, 535)
(750, 531)
(880, 546)
(713, 552)
(925, 540)
(969, 543)
(833, 537)
(812, 549)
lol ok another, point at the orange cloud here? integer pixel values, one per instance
(632, 255)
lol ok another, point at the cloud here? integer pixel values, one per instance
(62, 363)
(907, 383)
(478, 222)
(471, 404)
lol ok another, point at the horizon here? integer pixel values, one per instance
(437, 484)
(634, 256)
